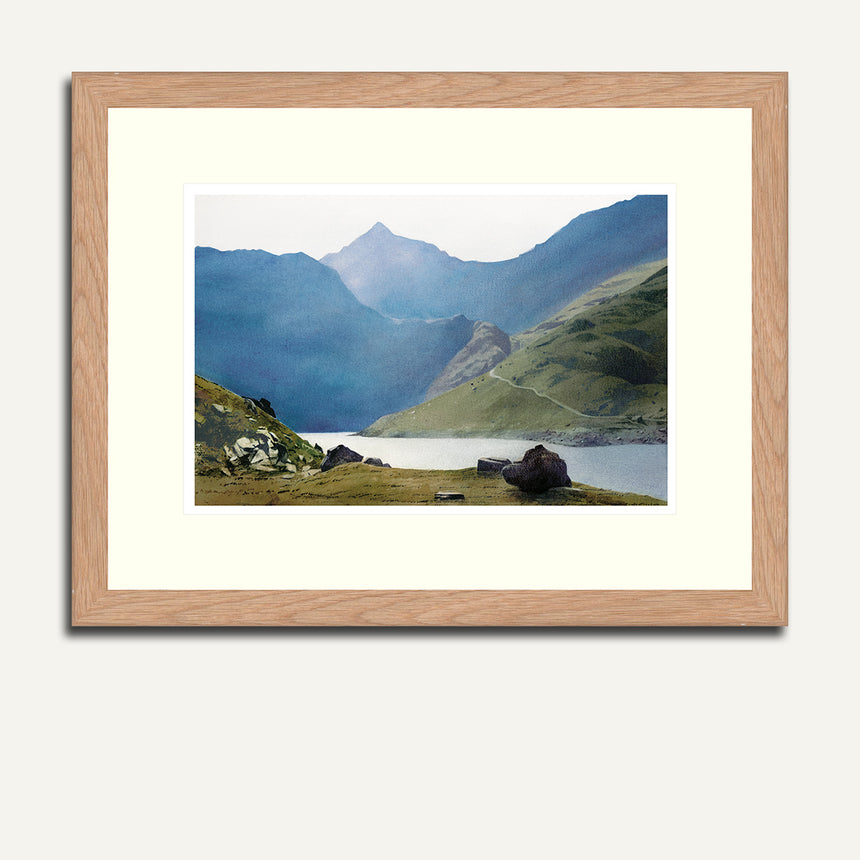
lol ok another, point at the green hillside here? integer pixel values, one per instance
(602, 372)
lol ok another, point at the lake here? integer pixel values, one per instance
(627, 468)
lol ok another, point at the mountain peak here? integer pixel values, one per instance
(380, 229)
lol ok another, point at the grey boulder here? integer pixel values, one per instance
(492, 464)
(375, 461)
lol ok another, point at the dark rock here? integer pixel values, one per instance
(492, 464)
(339, 455)
(266, 406)
(253, 404)
(538, 471)
(373, 461)
(450, 497)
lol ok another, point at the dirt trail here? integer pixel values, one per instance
(545, 396)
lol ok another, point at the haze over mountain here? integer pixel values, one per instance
(287, 329)
(406, 278)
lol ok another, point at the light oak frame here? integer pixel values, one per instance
(765, 604)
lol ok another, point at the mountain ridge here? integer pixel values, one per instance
(409, 278)
(285, 327)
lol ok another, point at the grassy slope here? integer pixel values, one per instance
(607, 290)
(360, 484)
(608, 362)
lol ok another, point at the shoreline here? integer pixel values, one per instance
(583, 438)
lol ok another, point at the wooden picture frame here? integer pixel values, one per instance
(95, 604)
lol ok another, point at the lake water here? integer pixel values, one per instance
(628, 468)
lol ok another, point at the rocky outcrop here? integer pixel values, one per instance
(263, 451)
(234, 433)
(487, 347)
(538, 471)
(339, 455)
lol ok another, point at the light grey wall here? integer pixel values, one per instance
(590, 744)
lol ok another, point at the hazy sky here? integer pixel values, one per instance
(469, 226)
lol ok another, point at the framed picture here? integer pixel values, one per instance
(494, 349)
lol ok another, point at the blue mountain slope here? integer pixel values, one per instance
(406, 278)
(286, 328)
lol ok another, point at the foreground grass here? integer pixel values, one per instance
(361, 484)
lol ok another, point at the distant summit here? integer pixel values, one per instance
(390, 273)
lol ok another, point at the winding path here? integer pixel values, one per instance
(545, 396)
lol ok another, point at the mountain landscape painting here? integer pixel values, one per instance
(431, 349)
